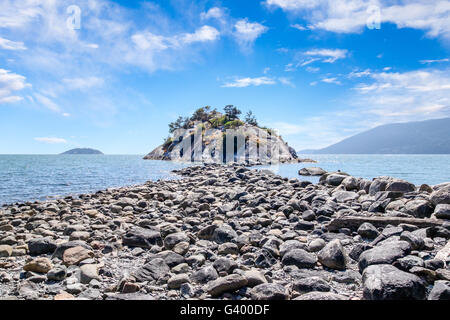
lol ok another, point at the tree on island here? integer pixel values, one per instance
(180, 123)
(231, 112)
(251, 119)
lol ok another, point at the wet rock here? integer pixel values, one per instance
(312, 171)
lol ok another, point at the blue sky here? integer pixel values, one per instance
(316, 70)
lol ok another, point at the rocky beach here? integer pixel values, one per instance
(232, 232)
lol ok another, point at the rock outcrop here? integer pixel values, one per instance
(243, 144)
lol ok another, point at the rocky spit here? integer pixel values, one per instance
(230, 232)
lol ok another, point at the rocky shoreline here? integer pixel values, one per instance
(229, 232)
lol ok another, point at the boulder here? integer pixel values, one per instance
(299, 258)
(386, 282)
(41, 246)
(333, 256)
(440, 291)
(385, 253)
(441, 196)
(140, 237)
(152, 270)
(5, 251)
(229, 283)
(39, 265)
(269, 291)
(442, 211)
(419, 208)
(311, 171)
(75, 255)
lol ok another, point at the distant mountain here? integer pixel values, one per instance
(422, 137)
(83, 151)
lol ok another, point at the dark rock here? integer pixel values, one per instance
(386, 253)
(204, 275)
(440, 291)
(311, 284)
(41, 246)
(442, 211)
(153, 270)
(269, 291)
(140, 237)
(299, 258)
(386, 282)
(229, 283)
(368, 231)
(333, 256)
(224, 233)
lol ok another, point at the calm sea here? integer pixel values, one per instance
(40, 177)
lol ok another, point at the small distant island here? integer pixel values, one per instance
(83, 151)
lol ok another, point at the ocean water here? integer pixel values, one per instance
(418, 169)
(41, 177)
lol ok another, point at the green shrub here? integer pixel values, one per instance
(233, 124)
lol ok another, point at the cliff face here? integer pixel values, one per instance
(245, 143)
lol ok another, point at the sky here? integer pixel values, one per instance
(111, 75)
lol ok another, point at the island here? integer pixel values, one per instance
(215, 137)
(82, 151)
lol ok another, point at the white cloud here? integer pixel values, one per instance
(246, 32)
(245, 82)
(286, 81)
(51, 140)
(215, 13)
(47, 102)
(328, 55)
(299, 27)
(331, 80)
(204, 34)
(360, 74)
(408, 96)
(351, 16)
(434, 61)
(11, 45)
(83, 83)
(9, 83)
